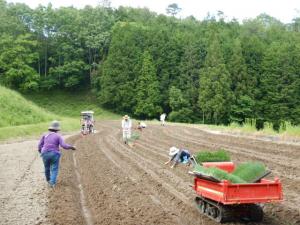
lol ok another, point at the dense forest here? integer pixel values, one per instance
(138, 62)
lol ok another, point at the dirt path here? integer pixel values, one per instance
(107, 182)
(23, 195)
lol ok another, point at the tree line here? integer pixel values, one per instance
(142, 63)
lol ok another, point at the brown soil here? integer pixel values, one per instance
(108, 182)
(23, 190)
(131, 185)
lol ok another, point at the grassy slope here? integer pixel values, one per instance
(33, 130)
(15, 110)
(70, 104)
(30, 116)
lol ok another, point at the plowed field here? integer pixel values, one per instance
(131, 185)
(108, 182)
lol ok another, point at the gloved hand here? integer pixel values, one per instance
(73, 148)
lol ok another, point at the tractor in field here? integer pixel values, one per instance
(87, 122)
(224, 201)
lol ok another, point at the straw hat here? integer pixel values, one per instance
(173, 151)
(54, 125)
(126, 117)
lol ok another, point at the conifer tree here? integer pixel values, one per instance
(241, 85)
(117, 79)
(181, 109)
(215, 95)
(147, 90)
(280, 83)
(188, 80)
(238, 71)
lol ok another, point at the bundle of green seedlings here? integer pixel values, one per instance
(244, 173)
(134, 137)
(250, 171)
(218, 174)
(209, 156)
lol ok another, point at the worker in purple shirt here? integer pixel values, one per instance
(49, 149)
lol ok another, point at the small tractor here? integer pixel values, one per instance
(87, 122)
(224, 201)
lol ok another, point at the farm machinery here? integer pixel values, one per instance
(87, 122)
(224, 201)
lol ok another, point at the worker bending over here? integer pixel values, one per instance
(178, 156)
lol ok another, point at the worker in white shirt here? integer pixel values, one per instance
(162, 119)
(126, 126)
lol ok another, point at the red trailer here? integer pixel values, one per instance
(223, 201)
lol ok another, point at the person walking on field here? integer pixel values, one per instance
(126, 127)
(50, 153)
(162, 119)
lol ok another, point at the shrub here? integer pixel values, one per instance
(183, 115)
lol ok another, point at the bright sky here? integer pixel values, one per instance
(284, 10)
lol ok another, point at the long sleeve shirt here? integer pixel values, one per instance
(180, 156)
(162, 117)
(126, 124)
(51, 142)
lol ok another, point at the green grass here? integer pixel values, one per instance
(249, 127)
(16, 110)
(289, 132)
(68, 104)
(30, 116)
(35, 130)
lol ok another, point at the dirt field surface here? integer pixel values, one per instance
(108, 182)
(23, 192)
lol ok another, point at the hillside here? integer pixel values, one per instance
(69, 104)
(30, 114)
(213, 70)
(16, 110)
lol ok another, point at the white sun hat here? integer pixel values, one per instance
(126, 117)
(173, 151)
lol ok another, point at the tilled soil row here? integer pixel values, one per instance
(289, 207)
(289, 174)
(260, 145)
(277, 211)
(124, 185)
(117, 192)
(159, 184)
(64, 200)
